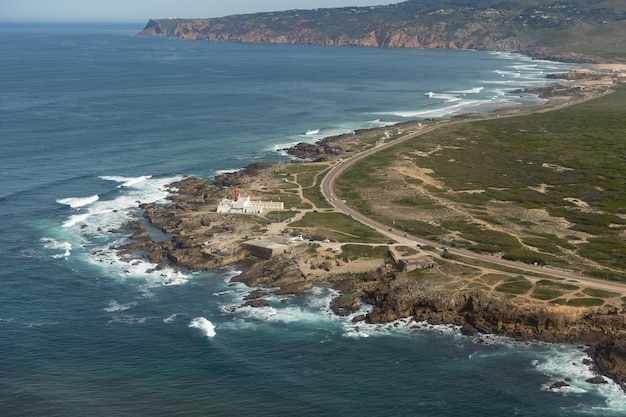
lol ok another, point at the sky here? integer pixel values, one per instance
(141, 10)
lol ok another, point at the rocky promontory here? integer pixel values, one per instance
(201, 239)
(187, 233)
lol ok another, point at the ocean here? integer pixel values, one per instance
(94, 120)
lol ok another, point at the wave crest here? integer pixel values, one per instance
(204, 325)
(77, 202)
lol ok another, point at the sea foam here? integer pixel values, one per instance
(94, 225)
(126, 181)
(565, 362)
(114, 306)
(77, 202)
(204, 325)
(54, 245)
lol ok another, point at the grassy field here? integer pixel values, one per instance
(338, 227)
(546, 188)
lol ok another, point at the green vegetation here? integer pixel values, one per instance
(339, 227)
(575, 156)
(290, 200)
(549, 290)
(583, 302)
(277, 216)
(406, 251)
(352, 252)
(419, 228)
(515, 285)
(592, 292)
(308, 177)
(492, 279)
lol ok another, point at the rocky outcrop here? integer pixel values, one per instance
(345, 305)
(604, 329)
(187, 233)
(610, 358)
(481, 312)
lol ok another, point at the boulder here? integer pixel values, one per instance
(259, 302)
(597, 380)
(559, 385)
(345, 305)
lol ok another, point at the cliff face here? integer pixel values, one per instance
(547, 30)
(471, 36)
(481, 312)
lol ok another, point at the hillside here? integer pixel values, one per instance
(572, 30)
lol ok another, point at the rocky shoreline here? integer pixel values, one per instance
(201, 239)
(190, 220)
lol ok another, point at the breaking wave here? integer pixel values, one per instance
(206, 327)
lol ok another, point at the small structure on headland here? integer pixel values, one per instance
(264, 248)
(244, 205)
(411, 264)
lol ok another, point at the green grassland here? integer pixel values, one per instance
(570, 163)
(338, 227)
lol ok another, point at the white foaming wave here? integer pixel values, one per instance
(405, 326)
(475, 90)
(444, 96)
(77, 218)
(115, 306)
(380, 123)
(282, 147)
(171, 318)
(225, 171)
(505, 55)
(565, 362)
(558, 362)
(514, 74)
(204, 325)
(53, 244)
(126, 319)
(459, 106)
(77, 202)
(126, 181)
(92, 228)
(127, 267)
(315, 310)
(342, 129)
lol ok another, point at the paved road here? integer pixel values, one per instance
(328, 189)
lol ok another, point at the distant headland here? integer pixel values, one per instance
(575, 31)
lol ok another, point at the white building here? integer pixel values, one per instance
(246, 206)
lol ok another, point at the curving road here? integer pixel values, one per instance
(328, 189)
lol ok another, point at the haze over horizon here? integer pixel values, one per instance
(76, 10)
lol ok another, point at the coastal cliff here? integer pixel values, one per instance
(567, 31)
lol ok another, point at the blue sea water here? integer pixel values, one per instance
(94, 120)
